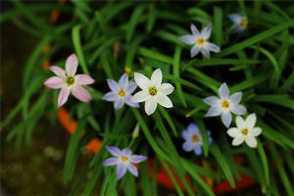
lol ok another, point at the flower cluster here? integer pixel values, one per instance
(154, 91)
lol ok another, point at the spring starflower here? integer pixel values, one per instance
(225, 104)
(69, 82)
(199, 41)
(193, 139)
(245, 131)
(240, 23)
(153, 91)
(121, 92)
(124, 160)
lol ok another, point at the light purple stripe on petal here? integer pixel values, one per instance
(132, 87)
(133, 170)
(58, 71)
(118, 104)
(123, 81)
(84, 79)
(110, 96)
(113, 85)
(198, 150)
(138, 158)
(115, 151)
(54, 82)
(121, 170)
(81, 93)
(110, 161)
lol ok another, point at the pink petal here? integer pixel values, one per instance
(84, 79)
(54, 82)
(71, 65)
(58, 71)
(63, 96)
(81, 93)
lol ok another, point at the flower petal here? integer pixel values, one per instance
(235, 18)
(110, 161)
(224, 91)
(236, 97)
(251, 142)
(121, 170)
(141, 80)
(124, 81)
(194, 51)
(198, 150)
(233, 132)
(129, 101)
(140, 96)
(213, 111)
(226, 118)
(166, 88)
(187, 146)
(188, 39)
(206, 31)
(150, 106)
(238, 109)
(110, 96)
(63, 96)
(194, 29)
(118, 104)
(256, 131)
(132, 87)
(212, 47)
(115, 151)
(156, 77)
(237, 141)
(58, 71)
(205, 52)
(251, 120)
(133, 169)
(113, 85)
(126, 152)
(212, 100)
(84, 79)
(164, 101)
(54, 82)
(138, 158)
(240, 122)
(193, 128)
(81, 93)
(186, 135)
(71, 65)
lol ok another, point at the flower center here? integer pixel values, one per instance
(200, 41)
(195, 138)
(152, 90)
(244, 131)
(70, 80)
(244, 23)
(121, 93)
(124, 159)
(225, 104)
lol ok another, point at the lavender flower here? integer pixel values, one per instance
(124, 160)
(121, 92)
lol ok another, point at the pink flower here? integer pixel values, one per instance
(69, 82)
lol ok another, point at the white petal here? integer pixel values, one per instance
(118, 104)
(142, 81)
(235, 18)
(224, 91)
(133, 169)
(238, 109)
(233, 132)
(236, 97)
(256, 131)
(206, 32)
(205, 52)
(132, 87)
(164, 101)
(251, 120)
(212, 47)
(194, 51)
(140, 96)
(213, 111)
(188, 39)
(251, 142)
(237, 141)
(71, 65)
(58, 71)
(166, 88)
(212, 100)
(240, 122)
(157, 77)
(150, 106)
(123, 81)
(194, 29)
(226, 118)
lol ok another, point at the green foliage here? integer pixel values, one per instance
(111, 37)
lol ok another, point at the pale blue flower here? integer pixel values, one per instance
(121, 92)
(193, 139)
(240, 23)
(124, 161)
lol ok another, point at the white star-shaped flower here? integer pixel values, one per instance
(245, 131)
(153, 91)
(200, 42)
(225, 104)
(240, 23)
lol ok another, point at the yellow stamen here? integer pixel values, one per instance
(244, 131)
(225, 104)
(152, 90)
(70, 80)
(124, 158)
(200, 41)
(195, 138)
(122, 93)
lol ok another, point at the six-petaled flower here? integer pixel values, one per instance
(240, 23)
